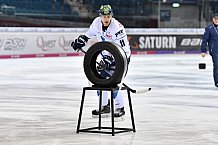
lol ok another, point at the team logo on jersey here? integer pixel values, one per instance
(108, 35)
(119, 32)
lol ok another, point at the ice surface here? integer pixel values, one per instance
(40, 99)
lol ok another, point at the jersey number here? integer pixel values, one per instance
(122, 43)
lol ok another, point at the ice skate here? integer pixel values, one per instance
(119, 114)
(105, 112)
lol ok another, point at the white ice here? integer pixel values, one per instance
(40, 100)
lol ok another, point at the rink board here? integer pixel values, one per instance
(55, 42)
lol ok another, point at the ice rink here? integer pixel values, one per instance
(40, 99)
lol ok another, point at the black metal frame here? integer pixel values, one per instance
(99, 127)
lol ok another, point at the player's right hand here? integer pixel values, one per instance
(76, 45)
(80, 42)
(203, 55)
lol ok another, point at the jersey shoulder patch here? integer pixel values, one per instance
(119, 33)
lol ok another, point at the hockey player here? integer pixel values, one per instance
(210, 37)
(106, 28)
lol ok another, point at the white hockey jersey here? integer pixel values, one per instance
(114, 33)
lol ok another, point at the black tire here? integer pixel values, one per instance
(91, 71)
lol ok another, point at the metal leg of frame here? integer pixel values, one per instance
(100, 104)
(131, 110)
(112, 112)
(81, 109)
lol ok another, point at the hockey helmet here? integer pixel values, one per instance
(105, 10)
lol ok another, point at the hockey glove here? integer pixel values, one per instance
(80, 42)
